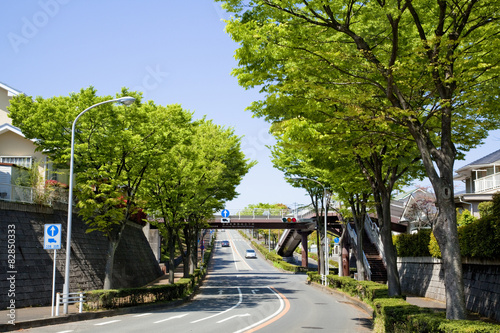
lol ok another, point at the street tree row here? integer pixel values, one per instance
(135, 159)
(389, 88)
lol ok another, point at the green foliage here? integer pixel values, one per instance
(116, 298)
(485, 208)
(144, 156)
(433, 84)
(413, 245)
(465, 217)
(434, 247)
(496, 204)
(480, 239)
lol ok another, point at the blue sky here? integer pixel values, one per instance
(172, 51)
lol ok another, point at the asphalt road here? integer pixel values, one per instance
(240, 295)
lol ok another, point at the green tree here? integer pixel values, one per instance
(432, 64)
(191, 182)
(113, 148)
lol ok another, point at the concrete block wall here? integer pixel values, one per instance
(425, 277)
(31, 275)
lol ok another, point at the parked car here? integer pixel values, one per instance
(225, 243)
(251, 254)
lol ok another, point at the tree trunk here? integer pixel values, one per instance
(110, 257)
(171, 260)
(359, 223)
(393, 281)
(445, 228)
(445, 231)
(110, 261)
(185, 254)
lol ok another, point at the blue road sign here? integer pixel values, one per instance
(336, 240)
(52, 230)
(52, 237)
(225, 213)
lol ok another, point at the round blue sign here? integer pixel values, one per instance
(52, 230)
(225, 213)
(336, 240)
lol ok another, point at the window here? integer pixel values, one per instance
(24, 161)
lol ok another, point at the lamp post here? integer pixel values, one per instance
(325, 266)
(124, 100)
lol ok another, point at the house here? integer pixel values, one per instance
(414, 209)
(482, 180)
(18, 151)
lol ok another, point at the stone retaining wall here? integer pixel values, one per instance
(425, 277)
(29, 281)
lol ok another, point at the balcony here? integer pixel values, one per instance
(488, 183)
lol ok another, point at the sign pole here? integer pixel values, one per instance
(54, 282)
(52, 241)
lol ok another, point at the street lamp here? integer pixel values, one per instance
(124, 100)
(325, 266)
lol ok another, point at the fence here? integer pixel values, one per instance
(269, 213)
(43, 195)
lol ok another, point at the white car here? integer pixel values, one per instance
(251, 254)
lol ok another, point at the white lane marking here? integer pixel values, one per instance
(142, 315)
(174, 317)
(218, 314)
(107, 322)
(65, 331)
(235, 251)
(242, 315)
(282, 305)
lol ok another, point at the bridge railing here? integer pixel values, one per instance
(354, 238)
(266, 213)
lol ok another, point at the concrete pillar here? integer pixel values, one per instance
(305, 254)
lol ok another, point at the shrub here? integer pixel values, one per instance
(434, 247)
(394, 314)
(413, 245)
(485, 208)
(465, 217)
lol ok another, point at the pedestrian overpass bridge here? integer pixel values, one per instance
(296, 232)
(297, 226)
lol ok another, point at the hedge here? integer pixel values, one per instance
(413, 245)
(480, 239)
(394, 314)
(125, 297)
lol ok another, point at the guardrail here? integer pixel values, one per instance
(72, 298)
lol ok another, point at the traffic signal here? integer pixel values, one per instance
(289, 219)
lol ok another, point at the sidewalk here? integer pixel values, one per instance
(41, 316)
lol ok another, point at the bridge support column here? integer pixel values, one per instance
(305, 254)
